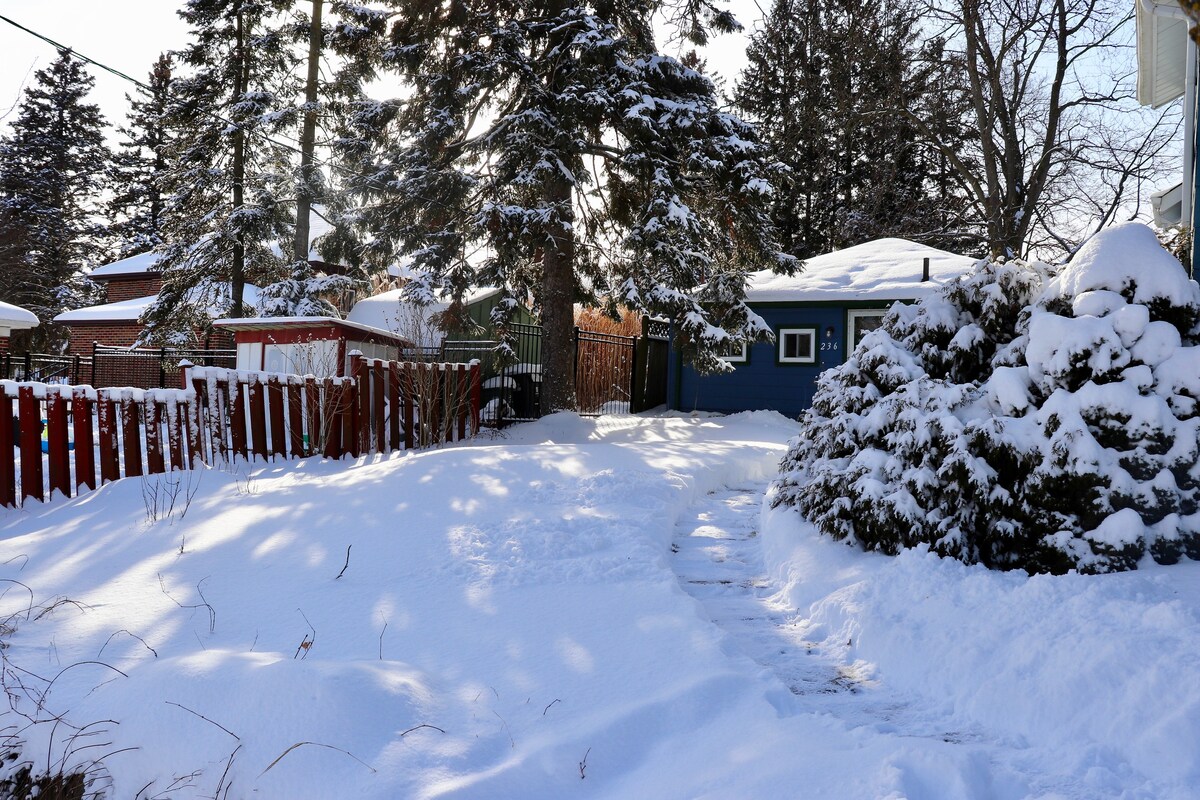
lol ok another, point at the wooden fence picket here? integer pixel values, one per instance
(331, 418)
(154, 450)
(462, 400)
(106, 417)
(57, 444)
(131, 428)
(31, 444)
(295, 420)
(258, 420)
(393, 380)
(275, 413)
(8, 444)
(313, 409)
(378, 400)
(175, 435)
(409, 391)
(85, 458)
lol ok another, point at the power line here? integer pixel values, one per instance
(370, 180)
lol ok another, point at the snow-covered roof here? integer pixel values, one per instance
(265, 323)
(885, 269)
(16, 318)
(134, 265)
(1161, 52)
(131, 310)
(147, 262)
(386, 310)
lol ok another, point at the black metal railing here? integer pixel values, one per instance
(150, 368)
(44, 367)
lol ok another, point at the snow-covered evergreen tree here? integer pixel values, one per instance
(226, 211)
(828, 85)
(326, 49)
(135, 209)
(1018, 418)
(552, 150)
(51, 170)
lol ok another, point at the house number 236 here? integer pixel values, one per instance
(829, 345)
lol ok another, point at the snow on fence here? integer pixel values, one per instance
(93, 436)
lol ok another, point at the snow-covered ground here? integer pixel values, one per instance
(582, 608)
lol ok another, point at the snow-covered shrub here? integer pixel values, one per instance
(1019, 418)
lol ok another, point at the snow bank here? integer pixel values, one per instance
(1092, 678)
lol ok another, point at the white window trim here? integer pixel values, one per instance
(811, 358)
(853, 314)
(741, 358)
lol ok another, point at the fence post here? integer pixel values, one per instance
(184, 366)
(95, 345)
(636, 385)
(476, 394)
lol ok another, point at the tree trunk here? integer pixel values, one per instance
(305, 189)
(237, 270)
(558, 304)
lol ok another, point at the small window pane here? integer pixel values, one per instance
(864, 324)
(797, 345)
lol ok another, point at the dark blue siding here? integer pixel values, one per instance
(763, 382)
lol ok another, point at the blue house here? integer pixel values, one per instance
(1167, 72)
(817, 316)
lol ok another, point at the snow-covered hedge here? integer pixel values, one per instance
(1019, 418)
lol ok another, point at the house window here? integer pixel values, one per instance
(860, 322)
(734, 352)
(797, 345)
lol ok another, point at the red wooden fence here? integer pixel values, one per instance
(94, 436)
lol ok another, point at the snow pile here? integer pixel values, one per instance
(1086, 684)
(1019, 419)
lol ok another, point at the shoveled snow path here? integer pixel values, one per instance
(718, 559)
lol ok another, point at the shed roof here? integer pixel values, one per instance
(275, 323)
(883, 270)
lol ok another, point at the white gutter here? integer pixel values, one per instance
(1173, 11)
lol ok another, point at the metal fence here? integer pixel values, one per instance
(44, 367)
(613, 374)
(149, 368)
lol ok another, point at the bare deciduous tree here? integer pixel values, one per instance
(1063, 149)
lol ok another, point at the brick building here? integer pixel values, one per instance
(131, 285)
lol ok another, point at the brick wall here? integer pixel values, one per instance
(118, 334)
(139, 285)
(3, 344)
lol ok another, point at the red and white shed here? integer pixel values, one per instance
(317, 346)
